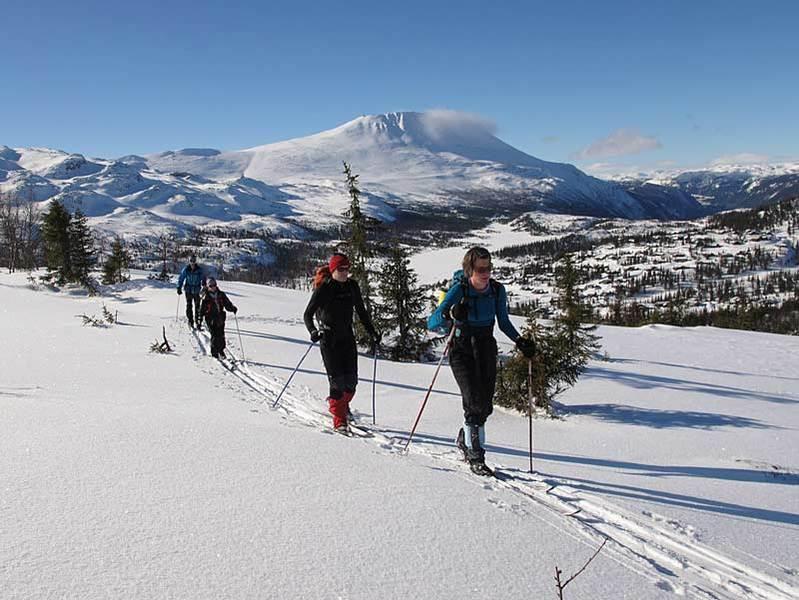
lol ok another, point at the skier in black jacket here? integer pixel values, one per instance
(332, 302)
(212, 307)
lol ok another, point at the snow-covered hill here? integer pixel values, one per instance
(408, 161)
(130, 474)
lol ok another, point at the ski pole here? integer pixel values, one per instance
(177, 309)
(243, 359)
(430, 389)
(374, 383)
(530, 410)
(297, 368)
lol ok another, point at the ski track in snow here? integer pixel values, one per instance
(664, 551)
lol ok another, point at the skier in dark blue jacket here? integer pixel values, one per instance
(194, 278)
(472, 305)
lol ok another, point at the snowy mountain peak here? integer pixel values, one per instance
(438, 131)
(409, 162)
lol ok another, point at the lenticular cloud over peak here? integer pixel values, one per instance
(439, 123)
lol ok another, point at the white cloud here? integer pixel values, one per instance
(619, 143)
(442, 122)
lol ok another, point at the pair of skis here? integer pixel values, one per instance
(232, 364)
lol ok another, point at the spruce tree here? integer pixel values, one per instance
(55, 235)
(81, 248)
(357, 246)
(115, 268)
(562, 350)
(402, 306)
(574, 313)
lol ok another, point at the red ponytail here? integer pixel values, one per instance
(322, 275)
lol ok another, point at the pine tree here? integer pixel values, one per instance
(55, 234)
(114, 270)
(357, 246)
(81, 248)
(402, 306)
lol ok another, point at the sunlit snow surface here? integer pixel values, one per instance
(131, 474)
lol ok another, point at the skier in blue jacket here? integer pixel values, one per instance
(194, 278)
(472, 305)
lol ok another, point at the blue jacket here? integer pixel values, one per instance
(484, 308)
(194, 278)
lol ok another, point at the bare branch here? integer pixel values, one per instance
(562, 586)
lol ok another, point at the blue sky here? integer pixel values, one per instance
(604, 85)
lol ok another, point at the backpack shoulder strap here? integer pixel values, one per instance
(495, 287)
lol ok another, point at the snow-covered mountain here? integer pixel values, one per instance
(725, 187)
(406, 161)
(409, 159)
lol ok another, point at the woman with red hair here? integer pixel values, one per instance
(334, 297)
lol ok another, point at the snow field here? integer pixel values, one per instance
(130, 474)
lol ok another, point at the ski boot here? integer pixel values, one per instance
(343, 430)
(474, 453)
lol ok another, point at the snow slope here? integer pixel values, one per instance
(130, 474)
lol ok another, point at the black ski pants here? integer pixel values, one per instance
(216, 327)
(193, 301)
(473, 358)
(340, 356)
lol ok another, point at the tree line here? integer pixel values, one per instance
(57, 239)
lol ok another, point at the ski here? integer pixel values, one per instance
(350, 431)
(233, 365)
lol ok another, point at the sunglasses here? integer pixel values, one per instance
(343, 269)
(211, 286)
(483, 270)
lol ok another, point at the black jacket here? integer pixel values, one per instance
(213, 305)
(332, 304)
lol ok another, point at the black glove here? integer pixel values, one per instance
(316, 335)
(526, 346)
(180, 291)
(234, 310)
(459, 312)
